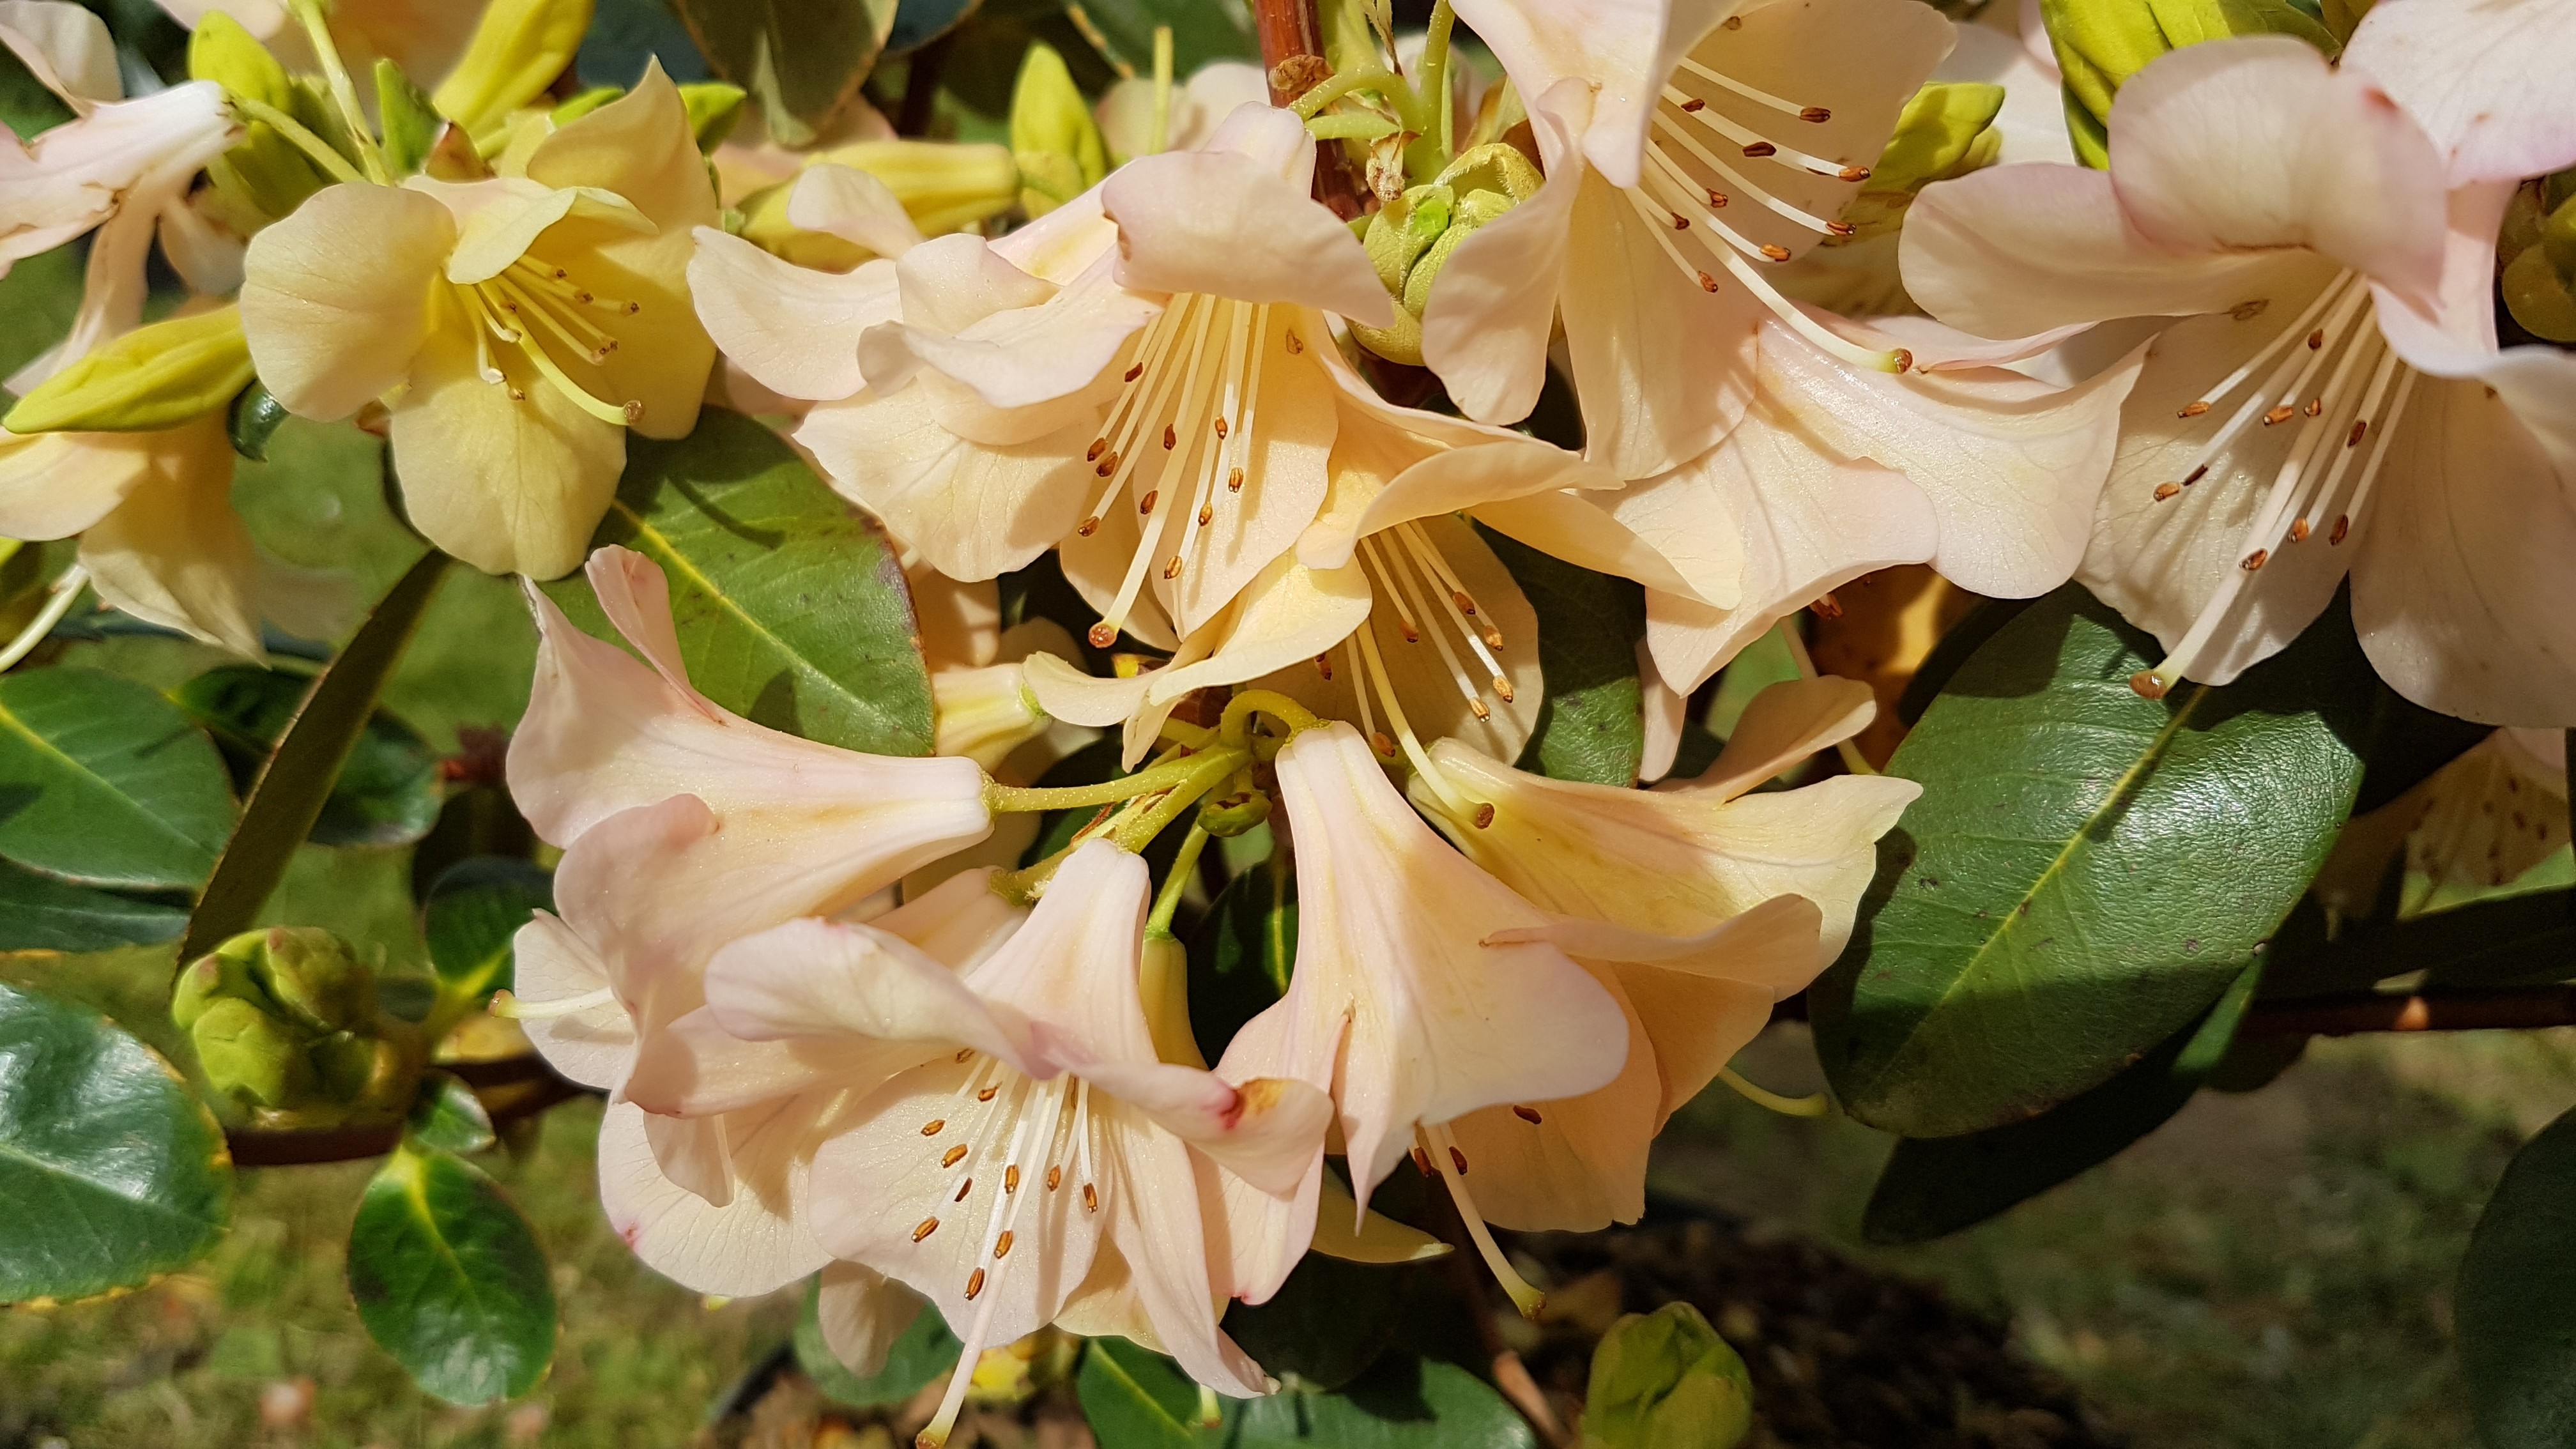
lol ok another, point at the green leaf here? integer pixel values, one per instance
(802, 60)
(1328, 1322)
(922, 1354)
(790, 606)
(1241, 954)
(2517, 1299)
(104, 782)
(1135, 1398)
(2087, 869)
(40, 913)
(111, 1170)
(409, 121)
(919, 22)
(1931, 1187)
(296, 783)
(387, 794)
(26, 106)
(1592, 726)
(449, 1279)
(448, 1117)
(1402, 1403)
(1202, 31)
(38, 298)
(473, 910)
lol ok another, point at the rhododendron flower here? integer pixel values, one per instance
(119, 167)
(2335, 403)
(1397, 1003)
(2486, 79)
(517, 326)
(1016, 1151)
(1697, 903)
(1144, 376)
(1688, 148)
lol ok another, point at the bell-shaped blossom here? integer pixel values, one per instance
(520, 324)
(121, 168)
(1398, 1004)
(1145, 376)
(1698, 904)
(1838, 470)
(807, 827)
(715, 1201)
(2334, 402)
(1014, 1150)
(1690, 147)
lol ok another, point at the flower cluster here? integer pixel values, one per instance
(1810, 289)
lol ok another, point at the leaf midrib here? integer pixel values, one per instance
(10, 1151)
(2130, 781)
(45, 746)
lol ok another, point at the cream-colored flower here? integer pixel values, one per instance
(517, 326)
(1142, 376)
(2333, 402)
(1690, 146)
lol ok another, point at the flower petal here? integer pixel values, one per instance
(65, 47)
(335, 299)
(830, 979)
(975, 511)
(1581, 1165)
(2014, 251)
(53, 485)
(594, 1045)
(2257, 142)
(1223, 224)
(753, 1244)
(639, 147)
(174, 553)
(1491, 311)
(862, 1312)
(856, 207)
(2462, 593)
(795, 330)
(1623, 49)
(1783, 725)
(2486, 79)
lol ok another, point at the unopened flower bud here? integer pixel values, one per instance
(1163, 981)
(1053, 137)
(518, 49)
(2538, 250)
(286, 1021)
(1412, 237)
(944, 186)
(1946, 130)
(263, 177)
(1666, 1378)
(983, 714)
(2101, 43)
(150, 379)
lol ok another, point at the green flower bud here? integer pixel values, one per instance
(1946, 130)
(262, 177)
(2101, 43)
(286, 1022)
(1053, 137)
(410, 123)
(2539, 252)
(1411, 238)
(518, 49)
(1665, 1380)
(150, 379)
(713, 108)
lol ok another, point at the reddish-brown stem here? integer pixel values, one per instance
(2517, 1009)
(1292, 50)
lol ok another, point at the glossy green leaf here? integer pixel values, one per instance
(388, 792)
(919, 22)
(2525, 940)
(1592, 726)
(1935, 1186)
(292, 789)
(1137, 1399)
(2517, 1299)
(448, 1117)
(111, 1170)
(40, 913)
(1328, 1322)
(449, 1279)
(802, 60)
(922, 1354)
(1402, 1403)
(791, 608)
(473, 910)
(1241, 954)
(104, 782)
(2087, 869)
(1202, 31)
